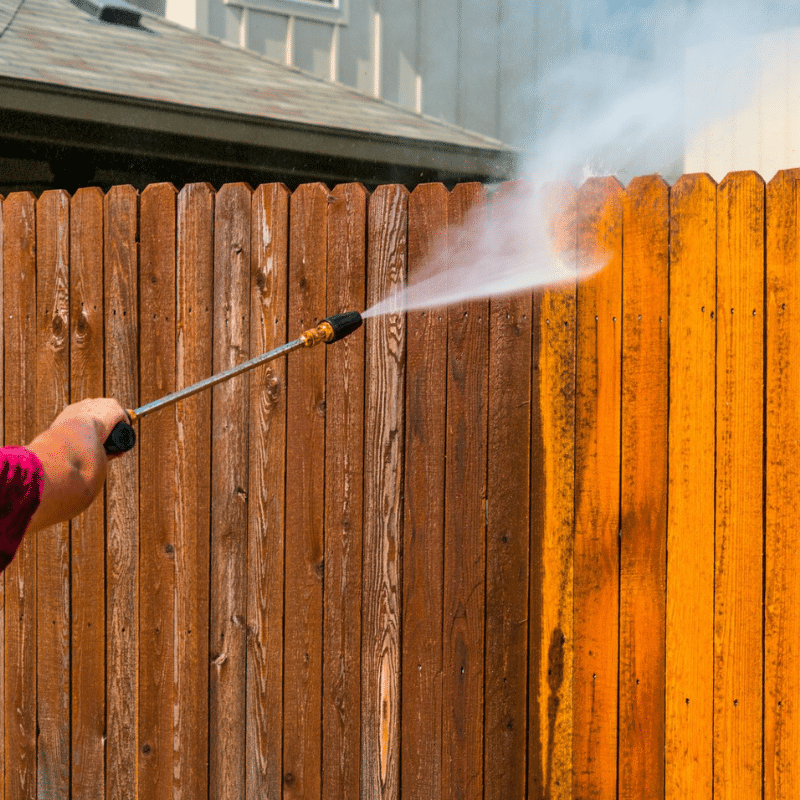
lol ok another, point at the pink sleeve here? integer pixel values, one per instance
(21, 475)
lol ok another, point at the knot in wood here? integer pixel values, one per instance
(288, 779)
(82, 325)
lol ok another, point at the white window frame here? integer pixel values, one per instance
(335, 12)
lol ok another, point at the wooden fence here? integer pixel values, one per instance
(541, 546)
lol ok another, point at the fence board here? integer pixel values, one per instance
(507, 535)
(782, 599)
(194, 318)
(52, 544)
(597, 487)
(423, 512)
(229, 482)
(19, 289)
(157, 438)
(552, 516)
(88, 633)
(121, 313)
(344, 481)
(383, 482)
(305, 466)
(739, 528)
(465, 528)
(643, 512)
(270, 246)
(690, 534)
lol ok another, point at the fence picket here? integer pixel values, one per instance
(782, 599)
(738, 680)
(267, 452)
(88, 629)
(423, 512)
(19, 305)
(344, 486)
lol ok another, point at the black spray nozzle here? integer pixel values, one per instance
(343, 324)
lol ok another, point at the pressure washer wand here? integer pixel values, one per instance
(331, 329)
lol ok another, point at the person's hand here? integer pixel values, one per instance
(103, 412)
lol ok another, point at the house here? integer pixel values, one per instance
(105, 93)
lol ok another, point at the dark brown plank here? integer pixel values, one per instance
(465, 527)
(552, 514)
(507, 534)
(739, 546)
(88, 529)
(597, 453)
(690, 516)
(423, 513)
(52, 544)
(643, 523)
(305, 437)
(383, 482)
(157, 458)
(121, 314)
(229, 485)
(782, 483)
(194, 316)
(19, 302)
(344, 462)
(270, 243)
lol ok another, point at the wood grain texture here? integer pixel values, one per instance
(20, 343)
(88, 637)
(738, 628)
(552, 445)
(192, 486)
(121, 314)
(265, 603)
(782, 481)
(158, 460)
(384, 434)
(52, 544)
(465, 526)
(690, 534)
(597, 487)
(423, 512)
(643, 507)
(507, 535)
(305, 466)
(229, 487)
(344, 502)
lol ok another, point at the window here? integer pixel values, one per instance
(333, 11)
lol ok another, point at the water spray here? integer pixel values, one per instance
(331, 329)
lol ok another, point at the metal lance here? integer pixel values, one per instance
(331, 329)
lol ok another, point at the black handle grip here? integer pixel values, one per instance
(121, 439)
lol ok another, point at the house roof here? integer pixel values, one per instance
(55, 59)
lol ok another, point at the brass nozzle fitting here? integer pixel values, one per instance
(322, 333)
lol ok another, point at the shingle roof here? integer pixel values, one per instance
(53, 43)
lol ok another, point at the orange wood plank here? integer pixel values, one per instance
(597, 488)
(465, 527)
(270, 243)
(384, 434)
(121, 315)
(552, 517)
(229, 486)
(344, 480)
(782, 598)
(156, 443)
(88, 639)
(738, 679)
(643, 523)
(19, 305)
(690, 533)
(194, 319)
(305, 465)
(52, 544)
(423, 512)
(507, 535)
